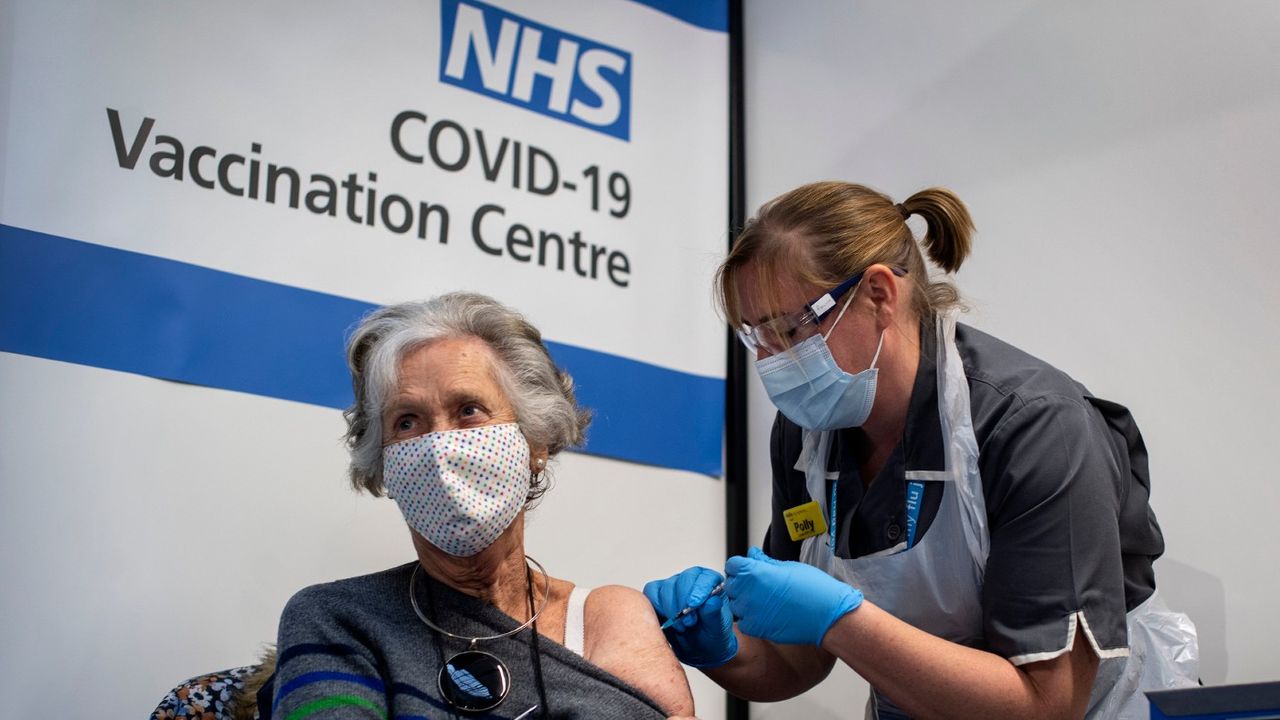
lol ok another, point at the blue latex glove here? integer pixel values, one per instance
(704, 638)
(785, 602)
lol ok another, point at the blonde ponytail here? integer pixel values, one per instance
(950, 229)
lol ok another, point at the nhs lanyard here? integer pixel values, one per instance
(915, 494)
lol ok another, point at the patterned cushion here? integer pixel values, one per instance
(207, 697)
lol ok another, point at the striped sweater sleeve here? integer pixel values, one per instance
(323, 670)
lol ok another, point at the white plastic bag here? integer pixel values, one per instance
(1163, 655)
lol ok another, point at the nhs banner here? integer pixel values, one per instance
(568, 158)
(198, 200)
(534, 66)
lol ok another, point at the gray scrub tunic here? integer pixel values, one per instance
(1066, 485)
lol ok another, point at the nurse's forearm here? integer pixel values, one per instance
(930, 677)
(765, 672)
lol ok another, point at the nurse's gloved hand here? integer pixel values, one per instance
(704, 638)
(785, 602)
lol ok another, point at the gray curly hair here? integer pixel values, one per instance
(541, 393)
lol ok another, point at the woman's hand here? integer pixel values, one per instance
(704, 638)
(748, 667)
(785, 602)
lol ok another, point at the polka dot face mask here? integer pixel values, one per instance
(460, 489)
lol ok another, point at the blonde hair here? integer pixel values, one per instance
(823, 233)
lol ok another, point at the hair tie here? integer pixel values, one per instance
(902, 209)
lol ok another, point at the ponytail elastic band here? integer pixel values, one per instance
(903, 210)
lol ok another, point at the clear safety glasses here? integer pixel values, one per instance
(784, 331)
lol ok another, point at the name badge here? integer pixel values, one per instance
(805, 521)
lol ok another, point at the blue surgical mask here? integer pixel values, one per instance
(811, 390)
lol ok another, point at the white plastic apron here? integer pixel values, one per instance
(936, 585)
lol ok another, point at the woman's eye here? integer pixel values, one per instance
(470, 410)
(404, 423)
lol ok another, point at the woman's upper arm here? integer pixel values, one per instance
(1065, 683)
(1055, 552)
(622, 636)
(320, 661)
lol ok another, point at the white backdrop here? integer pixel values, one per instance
(1120, 161)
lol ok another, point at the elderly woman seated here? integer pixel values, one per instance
(458, 411)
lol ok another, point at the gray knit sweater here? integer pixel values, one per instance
(354, 648)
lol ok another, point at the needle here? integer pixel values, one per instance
(672, 620)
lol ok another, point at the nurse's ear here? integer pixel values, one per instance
(882, 288)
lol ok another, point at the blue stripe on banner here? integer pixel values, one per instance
(646, 413)
(706, 14)
(93, 305)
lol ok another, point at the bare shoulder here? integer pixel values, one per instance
(617, 606)
(619, 621)
(623, 637)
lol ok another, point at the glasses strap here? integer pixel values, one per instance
(839, 315)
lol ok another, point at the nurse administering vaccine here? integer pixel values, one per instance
(962, 524)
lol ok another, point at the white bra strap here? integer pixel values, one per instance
(575, 620)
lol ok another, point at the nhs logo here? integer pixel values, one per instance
(535, 66)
